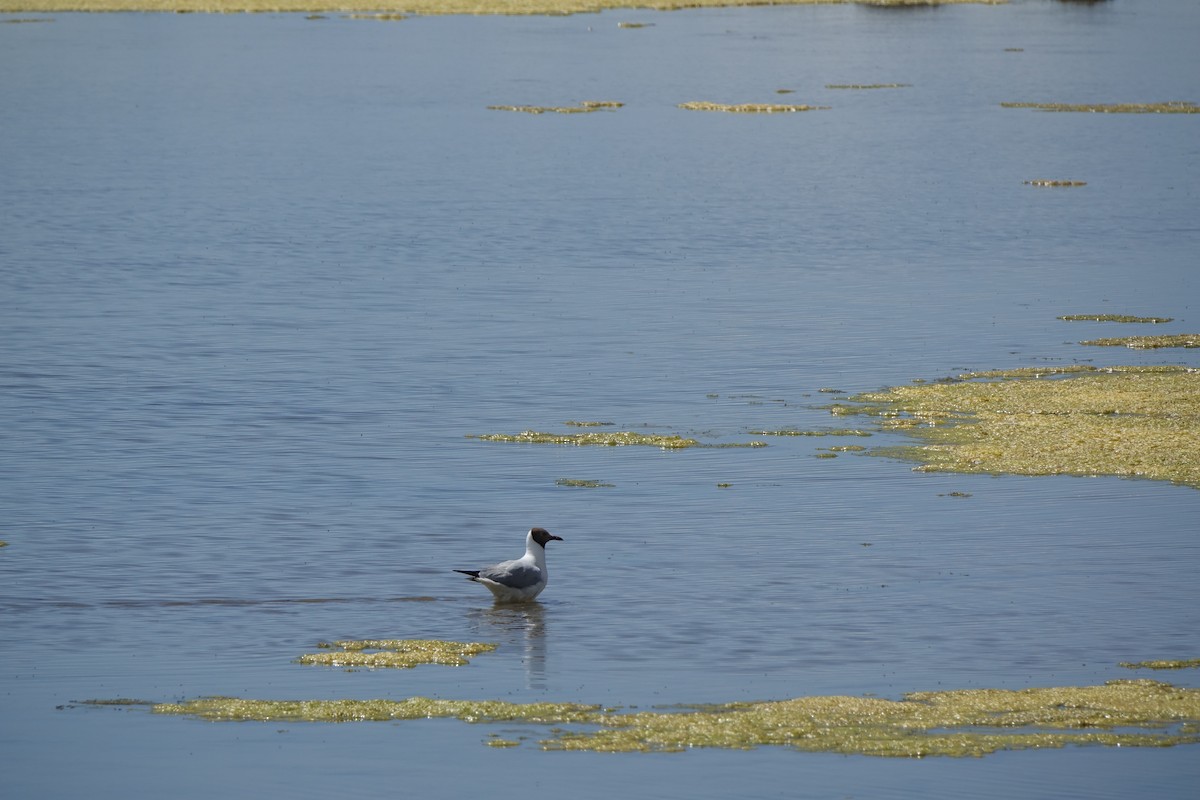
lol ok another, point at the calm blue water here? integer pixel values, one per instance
(261, 276)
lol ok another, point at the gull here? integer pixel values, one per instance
(521, 579)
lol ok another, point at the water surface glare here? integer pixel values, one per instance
(262, 276)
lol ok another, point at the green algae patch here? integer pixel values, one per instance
(1123, 421)
(749, 108)
(396, 653)
(586, 107)
(1148, 342)
(238, 709)
(607, 439)
(795, 432)
(1113, 318)
(1169, 107)
(587, 424)
(496, 741)
(972, 722)
(868, 85)
(1190, 663)
(1053, 182)
(582, 484)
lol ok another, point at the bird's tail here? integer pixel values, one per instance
(473, 574)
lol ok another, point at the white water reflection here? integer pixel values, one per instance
(521, 626)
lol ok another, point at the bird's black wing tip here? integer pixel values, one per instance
(470, 573)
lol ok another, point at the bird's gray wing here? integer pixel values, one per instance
(513, 574)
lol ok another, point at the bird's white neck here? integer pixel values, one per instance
(535, 551)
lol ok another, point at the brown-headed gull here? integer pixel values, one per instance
(521, 579)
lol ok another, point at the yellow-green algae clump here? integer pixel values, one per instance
(234, 708)
(749, 108)
(1169, 107)
(1190, 663)
(795, 432)
(585, 107)
(606, 439)
(401, 653)
(1053, 182)
(867, 85)
(1113, 318)
(552, 7)
(1148, 342)
(1126, 421)
(579, 483)
(972, 722)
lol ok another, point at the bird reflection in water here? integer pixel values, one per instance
(520, 625)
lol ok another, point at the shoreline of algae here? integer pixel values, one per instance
(969, 722)
(1119, 421)
(430, 7)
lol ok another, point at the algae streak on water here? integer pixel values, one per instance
(579, 483)
(1170, 107)
(401, 653)
(1190, 663)
(1148, 342)
(1126, 421)
(795, 432)
(550, 7)
(1114, 318)
(585, 107)
(238, 709)
(749, 108)
(606, 439)
(954, 723)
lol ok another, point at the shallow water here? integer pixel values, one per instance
(263, 275)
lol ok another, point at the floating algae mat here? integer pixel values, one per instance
(749, 108)
(1053, 182)
(402, 653)
(1113, 318)
(606, 439)
(551, 7)
(1170, 107)
(1190, 663)
(586, 107)
(795, 432)
(1148, 342)
(578, 483)
(1126, 421)
(234, 708)
(867, 85)
(971, 722)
